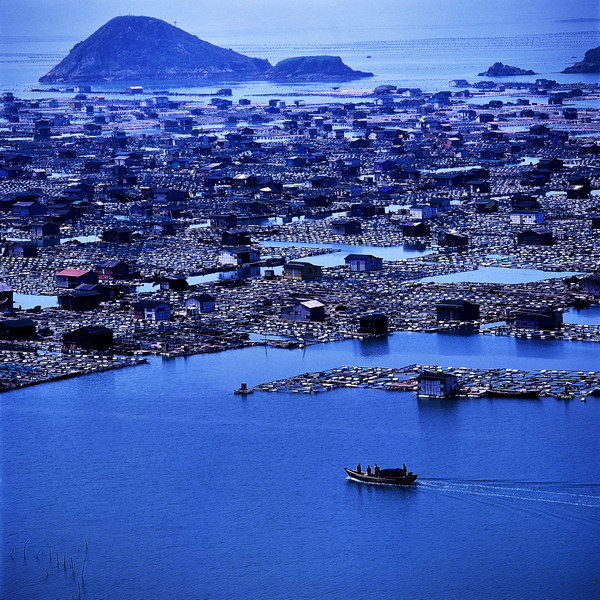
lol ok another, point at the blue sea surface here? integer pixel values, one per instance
(425, 62)
(170, 486)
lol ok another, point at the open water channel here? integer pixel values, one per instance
(170, 486)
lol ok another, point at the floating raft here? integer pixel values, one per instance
(474, 383)
(42, 368)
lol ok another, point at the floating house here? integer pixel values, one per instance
(309, 310)
(527, 217)
(200, 303)
(18, 329)
(91, 337)
(110, 270)
(301, 271)
(152, 310)
(345, 227)
(227, 221)
(174, 283)
(80, 300)
(366, 210)
(419, 212)
(363, 262)
(242, 255)
(536, 236)
(590, 284)
(236, 237)
(71, 278)
(437, 385)
(375, 324)
(537, 319)
(457, 311)
(117, 235)
(412, 229)
(453, 239)
(45, 230)
(27, 249)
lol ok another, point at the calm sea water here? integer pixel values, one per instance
(426, 63)
(181, 489)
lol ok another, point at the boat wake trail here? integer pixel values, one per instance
(582, 495)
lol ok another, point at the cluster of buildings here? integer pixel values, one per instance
(153, 219)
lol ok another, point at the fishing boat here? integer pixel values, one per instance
(243, 390)
(384, 476)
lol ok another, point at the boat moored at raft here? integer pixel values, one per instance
(384, 476)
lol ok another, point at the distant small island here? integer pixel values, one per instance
(144, 48)
(589, 64)
(314, 68)
(501, 70)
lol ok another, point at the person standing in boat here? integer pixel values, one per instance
(358, 468)
(403, 470)
(377, 470)
(368, 469)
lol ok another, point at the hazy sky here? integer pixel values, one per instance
(315, 20)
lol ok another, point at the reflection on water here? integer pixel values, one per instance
(537, 349)
(375, 346)
(583, 316)
(448, 406)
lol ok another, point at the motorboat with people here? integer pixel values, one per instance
(398, 476)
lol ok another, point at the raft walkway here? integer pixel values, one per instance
(473, 383)
(573, 332)
(18, 370)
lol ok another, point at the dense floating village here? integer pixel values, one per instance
(138, 223)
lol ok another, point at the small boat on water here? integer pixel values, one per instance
(243, 389)
(384, 476)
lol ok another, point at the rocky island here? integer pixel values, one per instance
(314, 68)
(145, 48)
(589, 64)
(501, 70)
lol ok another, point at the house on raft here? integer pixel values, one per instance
(298, 270)
(536, 318)
(90, 337)
(437, 385)
(306, 311)
(457, 311)
(363, 262)
(200, 303)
